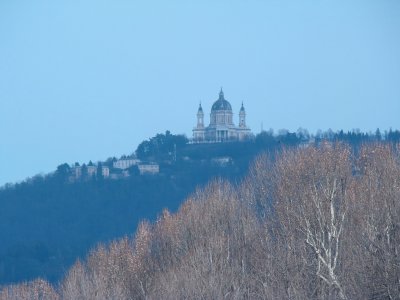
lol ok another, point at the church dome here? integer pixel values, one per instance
(221, 103)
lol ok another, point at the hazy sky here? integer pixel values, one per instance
(90, 79)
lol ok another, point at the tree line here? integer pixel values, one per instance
(315, 222)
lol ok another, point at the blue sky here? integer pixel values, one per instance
(91, 79)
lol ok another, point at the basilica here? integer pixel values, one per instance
(221, 128)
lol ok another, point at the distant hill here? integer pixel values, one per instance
(47, 222)
(317, 221)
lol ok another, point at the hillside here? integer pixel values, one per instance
(47, 222)
(314, 222)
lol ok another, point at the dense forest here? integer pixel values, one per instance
(46, 223)
(315, 222)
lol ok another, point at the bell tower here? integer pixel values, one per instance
(200, 117)
(242, 117)
(199, 130)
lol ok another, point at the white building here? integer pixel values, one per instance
(222, 161)
(221, 127)
(125, 163)
(105, 171)
(91, 171)
(76, 172)
(149, 169)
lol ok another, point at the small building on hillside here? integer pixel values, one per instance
(105, 171)
(76, 171)
(222, 161)
(91, 171)
(149, 169)
(125, 163)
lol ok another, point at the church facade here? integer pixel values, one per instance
(221, 127)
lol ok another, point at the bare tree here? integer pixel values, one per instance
(377, 211)
(34, 290)
(118, 271)
(312, 207)
(210, 241)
